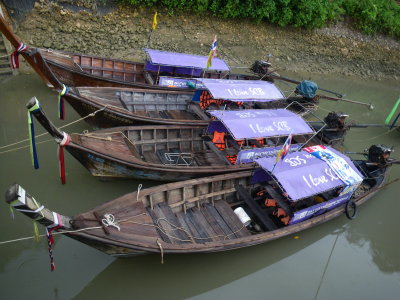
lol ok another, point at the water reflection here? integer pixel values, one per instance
(377, 230)
(190, 275)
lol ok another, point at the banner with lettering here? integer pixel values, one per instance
(318, 209)
(341, 168)
(242, 89)
(302, 175)
(249, 155)
(257, 123)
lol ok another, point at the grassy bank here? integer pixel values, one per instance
(370, 16)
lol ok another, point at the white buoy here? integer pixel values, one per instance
(243, 216)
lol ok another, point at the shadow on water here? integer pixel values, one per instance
(190, 275)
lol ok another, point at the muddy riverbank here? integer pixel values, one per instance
(123, 32)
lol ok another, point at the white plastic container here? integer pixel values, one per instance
(243, 216)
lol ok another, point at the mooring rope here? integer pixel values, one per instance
(23, 147)
(46, 133)
(126, 220)
(326, 267)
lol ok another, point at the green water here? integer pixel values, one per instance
(364, 264)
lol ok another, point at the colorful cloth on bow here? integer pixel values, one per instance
(61, 107)
(14, 56)
(339, 166)
(213, 52)
(50, 240)
(31, 126)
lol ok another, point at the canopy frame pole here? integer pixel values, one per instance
(158, 74)
(315, 132)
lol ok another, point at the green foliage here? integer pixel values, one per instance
(371, 16)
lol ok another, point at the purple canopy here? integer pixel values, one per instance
(258, 123)
(242, 90)
(165, 58)
(302, 175)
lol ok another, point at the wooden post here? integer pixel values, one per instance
(20, 200)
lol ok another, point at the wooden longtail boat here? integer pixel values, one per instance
(218, 213)
(112, 107)
(171, 152)
(77, 69)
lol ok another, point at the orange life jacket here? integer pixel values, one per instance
(232, 158)
(281, 214)
(260, 141)
(261, 193)
(270, 203)
(219, 140)
(240, 142)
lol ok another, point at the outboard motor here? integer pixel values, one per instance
(260, 67)
(379, 154)
(336, 120)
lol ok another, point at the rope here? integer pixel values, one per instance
(138, 191)
(45, 133)
(23, 147)
(109, 220)
(326, 267)
(374, 137)
(114, 224)
(161, 250)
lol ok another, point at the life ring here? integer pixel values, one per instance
(350, 205)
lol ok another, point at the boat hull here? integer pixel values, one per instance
(109, 168)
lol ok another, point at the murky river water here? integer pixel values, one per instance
(364, 263)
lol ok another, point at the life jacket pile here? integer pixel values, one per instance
(206, 100)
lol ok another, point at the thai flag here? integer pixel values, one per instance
(286, 146)
(213, 52)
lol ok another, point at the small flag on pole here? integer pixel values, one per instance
(284, 151)
(154, 21)
(286, 146)
(213, 52)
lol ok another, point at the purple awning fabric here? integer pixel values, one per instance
(302, 175)
(242, 90)
(259, 123)
(165, 58)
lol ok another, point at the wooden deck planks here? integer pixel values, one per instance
(202, 223)
(163, 236)
(220, 235)
(231, 219)
(171, 217)
(209, 209)
(186, 223)
(151, 157)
